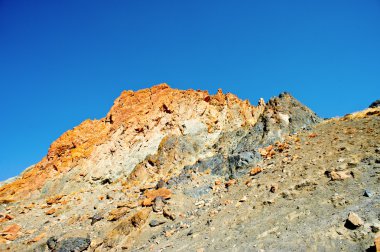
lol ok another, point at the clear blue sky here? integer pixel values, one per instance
(64, 61)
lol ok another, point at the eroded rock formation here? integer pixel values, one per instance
(165, 163)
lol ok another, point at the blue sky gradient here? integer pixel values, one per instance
(62, 62)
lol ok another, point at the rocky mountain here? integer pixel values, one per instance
(177, 170)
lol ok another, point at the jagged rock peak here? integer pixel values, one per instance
(133, 129)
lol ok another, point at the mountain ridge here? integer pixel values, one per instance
(164, 163)
(78, 143)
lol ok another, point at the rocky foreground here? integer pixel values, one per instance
(172, 170)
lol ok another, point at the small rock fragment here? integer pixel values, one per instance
(131, 204)
(338, 175)
(244, 199)
(54, 200)
(5, 217)
(50, 211)
(230, 182)
(218, 182)
(274, 188)
(155, 223)
(140, 217)
(152, 194)
(168, 213)
(255, 171)
(169, 233)
(367, 193)
(375, 228)
(341, 160)
(160, 184)
(158, 204)
(52, 242)
(353, 221)
(37, 238)
(97, 217)
(117, 213)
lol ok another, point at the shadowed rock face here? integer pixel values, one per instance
(375, 104)
(237, 150)
(282, 116)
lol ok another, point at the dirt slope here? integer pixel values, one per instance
(297, 203)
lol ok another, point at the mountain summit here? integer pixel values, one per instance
(164, 162)
(139, 122)
(134, 128)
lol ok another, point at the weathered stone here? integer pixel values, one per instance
(155, 223)
(131, 204)
(117, 213)
(160, 184)
(354, 221)
(74, 244)
(216, 163)
(240, 161)
(54, 200)
(243, 199)
(375, 228)
(273, 188)
(255, 171)
(168, 213)
(126, 226)
(367, 193)
(230, 182)
(52, 242)
(97, 217)
(152, 194)
(11, 232)
(5, 217)
(37, 238)
(338, 175)
(140, 217)
(51, 211)
(158, 204)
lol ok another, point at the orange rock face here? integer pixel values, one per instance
(37, 238)
(145, 114)
(151, 195)
(54, 200)
(50, 211)
(117, 213)
(377, 242)
(11, 232)
(5, 217)
(255, 171)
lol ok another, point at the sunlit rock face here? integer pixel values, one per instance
(138, 126)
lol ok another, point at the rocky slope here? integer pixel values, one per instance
(185, 170)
